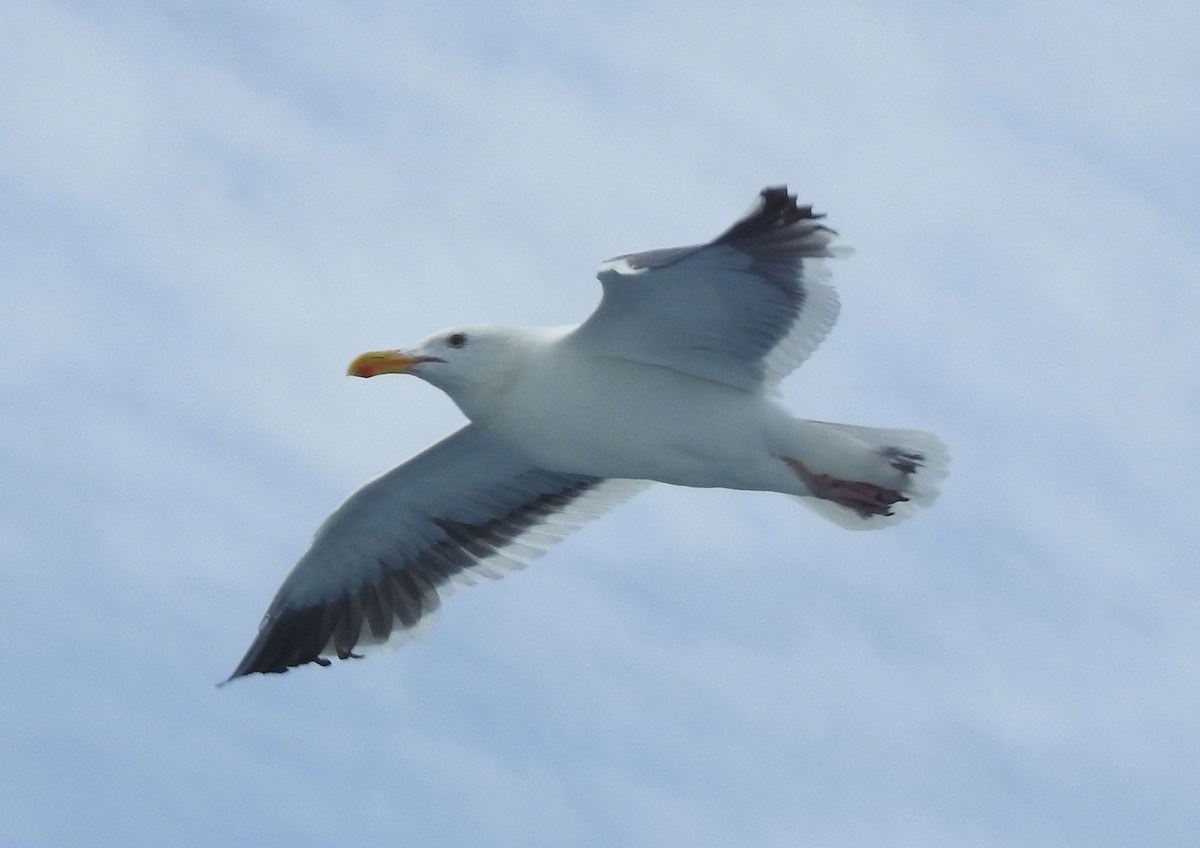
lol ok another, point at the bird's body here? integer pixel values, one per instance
(672, 380)
(689, 431)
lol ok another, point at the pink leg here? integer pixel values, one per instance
(864, 498)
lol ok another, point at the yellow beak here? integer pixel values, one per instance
(384, 362)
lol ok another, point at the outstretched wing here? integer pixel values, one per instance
(744, 309)
(467, 506)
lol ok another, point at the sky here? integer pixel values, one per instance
(206, 210)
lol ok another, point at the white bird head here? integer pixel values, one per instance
(473, 365)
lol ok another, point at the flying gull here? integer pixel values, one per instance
(672, 379)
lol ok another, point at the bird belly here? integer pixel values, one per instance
(637, 421)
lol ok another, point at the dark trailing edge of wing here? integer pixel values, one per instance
(403, 593)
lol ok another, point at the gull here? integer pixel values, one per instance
(672, 379)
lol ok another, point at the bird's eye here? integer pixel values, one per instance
(456, 339)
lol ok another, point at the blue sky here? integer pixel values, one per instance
(207, 210)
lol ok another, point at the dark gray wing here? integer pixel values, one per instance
(467, 506)
(744, 309)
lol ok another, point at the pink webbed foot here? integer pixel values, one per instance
(864, 498)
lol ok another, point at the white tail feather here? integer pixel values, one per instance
(927, 454)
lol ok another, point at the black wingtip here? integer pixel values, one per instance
(775, 209)
(777, 227)
(287, 638)
(246, 668)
